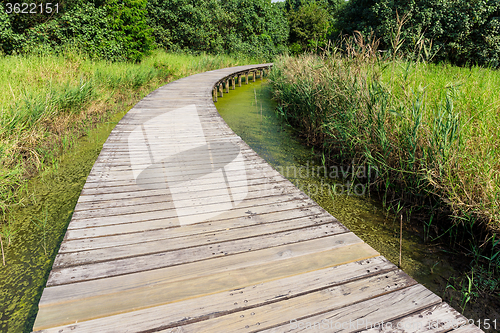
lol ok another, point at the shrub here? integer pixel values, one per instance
(462, 32)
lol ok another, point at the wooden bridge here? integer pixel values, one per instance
(182, 227)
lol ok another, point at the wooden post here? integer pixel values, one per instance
(261, 74)
(214, 93)
(221, 90)
(254, 75)
(233, 82)
(239, 80)
(246, 78)
(227, 86)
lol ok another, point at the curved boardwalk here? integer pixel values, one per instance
(181, 227)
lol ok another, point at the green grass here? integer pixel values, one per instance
(49, 101)
(431, 129)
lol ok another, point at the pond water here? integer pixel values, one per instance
(40, 222)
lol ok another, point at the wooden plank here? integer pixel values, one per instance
(122, 163)
(130, 233)
(208, 195)
(214, 153)
(204, 307)
(436, 319)
(197, 215)
(96, 198)
(171, 289)
(237, 217)
(252, 172)
(251, 178)
(287, 220)
(321, 301)
(168, 210)
(262, 238)
(185, 171)
(153, 261)
(354, 317)
(270, 260)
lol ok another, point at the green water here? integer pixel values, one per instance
(49, 203)
(250, 112)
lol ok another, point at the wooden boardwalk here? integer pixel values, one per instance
(182, 227)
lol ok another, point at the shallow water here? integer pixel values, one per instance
(49, 204)
(250, 112)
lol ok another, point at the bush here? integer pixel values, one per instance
(462, 32)
(85, 28)
(112, 30)
(253, 27)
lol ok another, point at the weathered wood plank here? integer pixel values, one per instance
(167, 288)
(153, 261)
(158, 228)
(330, 301)
(261, 171)
(204, 307)
(277, 259)
(150, 221)
(202, 184)
(436, 319)
(192, 310)
(203, 234)
(167, 209)
(181, 198)
(264, 238)
(98, 198)
(354, 317)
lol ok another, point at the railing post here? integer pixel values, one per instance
(239, 80)
(233, 82)
(221, 90)
(227, 86)
(214, 93)
(254, 75)
(246, 77)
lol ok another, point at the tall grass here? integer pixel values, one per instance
(49, 100)
(431, 129)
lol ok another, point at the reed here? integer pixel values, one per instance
(431, 130)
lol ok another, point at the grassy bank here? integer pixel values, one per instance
(431, 130)
(49, 101)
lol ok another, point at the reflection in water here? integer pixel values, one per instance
(249, 111)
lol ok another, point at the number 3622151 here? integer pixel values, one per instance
(31, 8)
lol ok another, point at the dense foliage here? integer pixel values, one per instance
(110, 29)
(252, 27)
(129, 29)
(462, 32)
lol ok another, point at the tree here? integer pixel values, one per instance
(308, 27)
